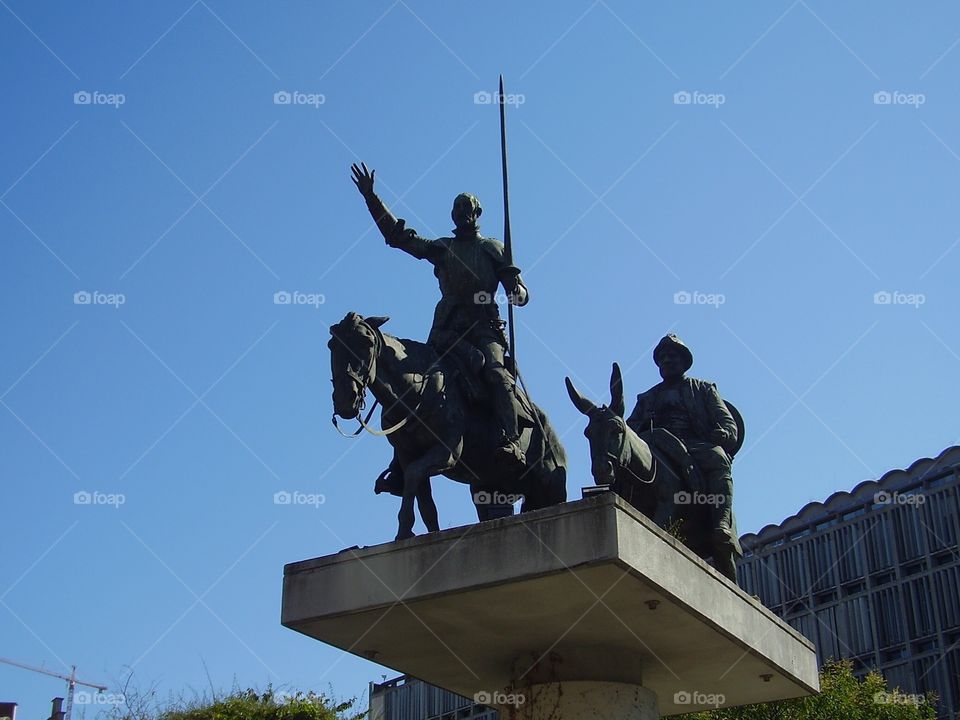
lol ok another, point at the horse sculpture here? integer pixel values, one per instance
(432, 427)
(652, 472)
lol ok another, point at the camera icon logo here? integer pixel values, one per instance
(682, 698)
(682, 498)
(482, 298)
(282, 97)
(82, 497)
(482, 698)
(882, 297)
(882, 97)
(282, 297)
(683, 97)
(682, 297)
(482, 97)
(482, 498)
(82, 298)
(82, 97)
(282, 498)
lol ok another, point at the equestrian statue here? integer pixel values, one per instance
(452, 406)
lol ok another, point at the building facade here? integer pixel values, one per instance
(873, 575)
(406, 698)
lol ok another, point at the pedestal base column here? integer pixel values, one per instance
(581, 700)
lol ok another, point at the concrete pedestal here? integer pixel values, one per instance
(587, 607)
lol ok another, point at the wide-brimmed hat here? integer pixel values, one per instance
(672, 341)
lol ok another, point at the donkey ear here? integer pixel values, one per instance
(616, 391)
(582, 404)
(376, 321)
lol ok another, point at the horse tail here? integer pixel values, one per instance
(547, 452)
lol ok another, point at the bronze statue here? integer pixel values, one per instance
(452, 405)
(672, 458)
(470, 268)
(693, 411)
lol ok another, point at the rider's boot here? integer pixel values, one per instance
(724, 553)
(504, 405)
(725, 561)
(721, 518)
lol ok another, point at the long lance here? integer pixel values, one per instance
(507, 243)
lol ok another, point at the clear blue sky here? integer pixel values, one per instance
(783, 186)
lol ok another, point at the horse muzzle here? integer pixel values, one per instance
(602, 472)
(346, 410)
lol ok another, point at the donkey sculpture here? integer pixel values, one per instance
(654, 473)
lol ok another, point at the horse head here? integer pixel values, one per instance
(606, 430)
(355, 344)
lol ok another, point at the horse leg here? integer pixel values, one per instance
(427, 507)
(417, 474)
(405, 517)
(483, 510)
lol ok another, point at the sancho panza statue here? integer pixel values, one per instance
(693, 411)
(470, 269)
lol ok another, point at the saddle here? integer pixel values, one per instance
(672, 456)
(464, 364)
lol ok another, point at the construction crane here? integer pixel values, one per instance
(72, 681)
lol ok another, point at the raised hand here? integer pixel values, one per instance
(363, 179)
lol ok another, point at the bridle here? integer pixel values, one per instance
(619, 458)
(363, 382)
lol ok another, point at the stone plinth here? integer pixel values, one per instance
(583, 600)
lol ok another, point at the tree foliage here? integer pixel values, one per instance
(842, 696)
(239, 704)
(269, 705)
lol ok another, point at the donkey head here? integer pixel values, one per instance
(606, 429)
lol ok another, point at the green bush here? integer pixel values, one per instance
(237, 705)
(842, 697)
(270, 705)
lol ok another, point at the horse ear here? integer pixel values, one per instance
(582, 404)
(616, 391)
(376, 321)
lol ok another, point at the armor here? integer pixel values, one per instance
(469, 269)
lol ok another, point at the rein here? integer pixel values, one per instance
(359, 430)
(619, 460)
(364, 381)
